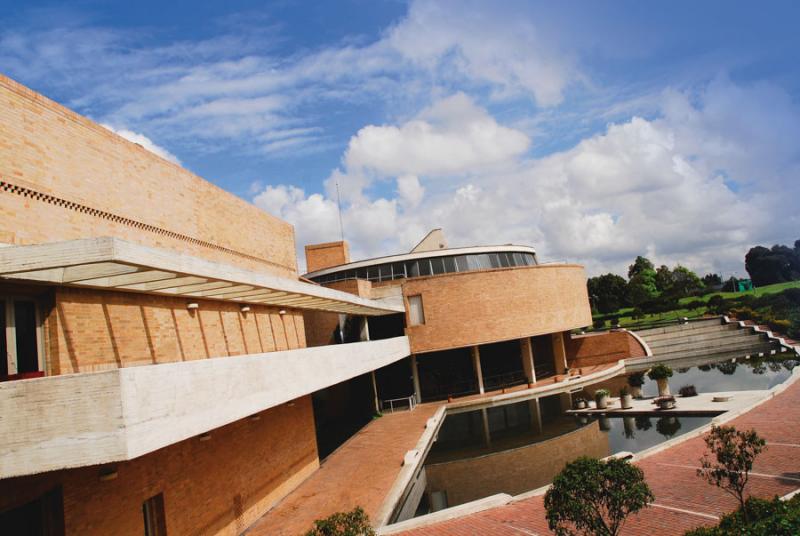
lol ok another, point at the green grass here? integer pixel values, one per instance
(625, 318)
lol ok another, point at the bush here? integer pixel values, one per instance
(695, 304)
(636, 379)
(353, 523)
(598, 323)
(767, 518)
(623, 392)
(659, 371)
(595, 497)
(687, 390)
(602, 392)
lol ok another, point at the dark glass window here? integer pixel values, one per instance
(449, 264)
(25, 326)
(3, 344)
(519, 259)
(438, 265)
(361, 273)
(424, 267)
(385, 271)
(505, 262)
(399, 270)
(461, 263)
(494, 260)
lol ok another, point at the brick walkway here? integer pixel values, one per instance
(683, 501)
(359, 473)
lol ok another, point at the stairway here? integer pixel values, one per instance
(709, 337)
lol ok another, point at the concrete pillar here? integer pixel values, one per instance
(415, 376)
(559, 353)
(476, 364)
(526, 354)
(566, 401)
(536, 415)
(375, 392)
(487, 436)
(364, 329)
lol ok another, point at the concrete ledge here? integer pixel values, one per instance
(76, 420)
(493, 501)
(757, 329)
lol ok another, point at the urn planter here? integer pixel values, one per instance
(626, 401)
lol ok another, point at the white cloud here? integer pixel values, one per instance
(145, 142)
(654, 187)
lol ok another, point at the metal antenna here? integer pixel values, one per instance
(339, 204)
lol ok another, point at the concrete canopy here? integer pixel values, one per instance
(114, 264)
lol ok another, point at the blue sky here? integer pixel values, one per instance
(594, 131)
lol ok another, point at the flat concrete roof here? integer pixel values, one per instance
(114, 264)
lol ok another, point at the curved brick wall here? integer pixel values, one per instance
(465, 309)
(601, 348)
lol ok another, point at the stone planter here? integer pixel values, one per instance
(580, 404)
(666, 404)
(663, 387)
(636, 392)
(626, 401)
(601, 401)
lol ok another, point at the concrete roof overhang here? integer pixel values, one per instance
(114, 264)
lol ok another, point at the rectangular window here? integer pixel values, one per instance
(385, 271)
(155, 522)
(438, 265)
(461, 263)
(398, 270)
(412, 269)
(416, 314)
(424, 267)
(504, 260)
(21, 339)
(494, 261)
(450, 265)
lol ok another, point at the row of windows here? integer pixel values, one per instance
(433, 265)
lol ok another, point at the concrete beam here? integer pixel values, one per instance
(75, 420)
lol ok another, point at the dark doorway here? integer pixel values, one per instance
(340, 411)
(395, 380)
(501, 365)
(386, 327)
(41, 517)
(543, 358)
(446, 373)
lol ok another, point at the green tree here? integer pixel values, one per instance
(734, 452)
(777, 265)
(609, 292)
(640, 265)
(594, 497)
(684, 282)
(353, 523)
(712, 280)
(664, 279)
(642, 287)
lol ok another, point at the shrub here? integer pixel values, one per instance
(595, 497)
(636, 379)
(602, 392)
(623, 392)
(353, 523)
(598, 323)
(767, 518)
(659, 371)
(695, 304)
(734, 452)
(687, 390)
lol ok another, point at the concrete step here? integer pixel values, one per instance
(742, 348)
(702, 339)
(714, 328)
(696, 324)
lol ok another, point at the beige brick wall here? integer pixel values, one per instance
(601, 348)
(470, 308)
(319, 256)
(320, 325)
(64, 177)
(90, 330)
(219, 486)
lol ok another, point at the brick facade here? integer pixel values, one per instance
(64, 177)
(600, 348)
(319, 256)
(219, 486)
(470, 308)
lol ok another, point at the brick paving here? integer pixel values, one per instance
(359, 473)
(683, 500)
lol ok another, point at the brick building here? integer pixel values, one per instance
(167, 370)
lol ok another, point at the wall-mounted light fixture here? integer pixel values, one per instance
(192, 306)
(255, 417)
(204, 437)
(282, 312)
(245, 308)
(107, 473)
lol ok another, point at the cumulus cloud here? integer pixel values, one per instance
(643, 186)
(145, 142)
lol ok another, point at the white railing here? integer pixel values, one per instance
(409, 401)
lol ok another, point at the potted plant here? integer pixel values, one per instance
(625, 398)
(580, 403)
(635, 382)
(665, 402)
(661, 374)
(687, 391)
(601, 398)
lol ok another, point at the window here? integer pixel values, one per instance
(438, 265)
(155, 522)
(21, 341)
(450, 265)
(398, 270)
(416, 314)
(385, 271)
(424, 267)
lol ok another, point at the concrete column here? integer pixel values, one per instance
(487, 436)
(375, 392)
(415, 376)
(559, 353)
(566, 401)
(476, 364)
(536, 415)
(526, 354)
(364, 329)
